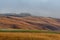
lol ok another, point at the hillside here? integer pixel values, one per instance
(29, 23)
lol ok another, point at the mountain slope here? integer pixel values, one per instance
(29, 23)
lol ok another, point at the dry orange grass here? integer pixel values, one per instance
(28, 36)
(29, 23)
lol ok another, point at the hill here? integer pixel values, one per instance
(29, 23)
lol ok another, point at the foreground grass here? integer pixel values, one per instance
(28, 36)
(16, 34)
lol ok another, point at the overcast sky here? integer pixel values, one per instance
(36, 7)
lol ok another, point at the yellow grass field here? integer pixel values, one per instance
(28, 36)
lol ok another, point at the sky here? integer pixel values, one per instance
(48, 8)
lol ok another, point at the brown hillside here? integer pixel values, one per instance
(29, 23)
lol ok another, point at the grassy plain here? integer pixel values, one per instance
(28, 35)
